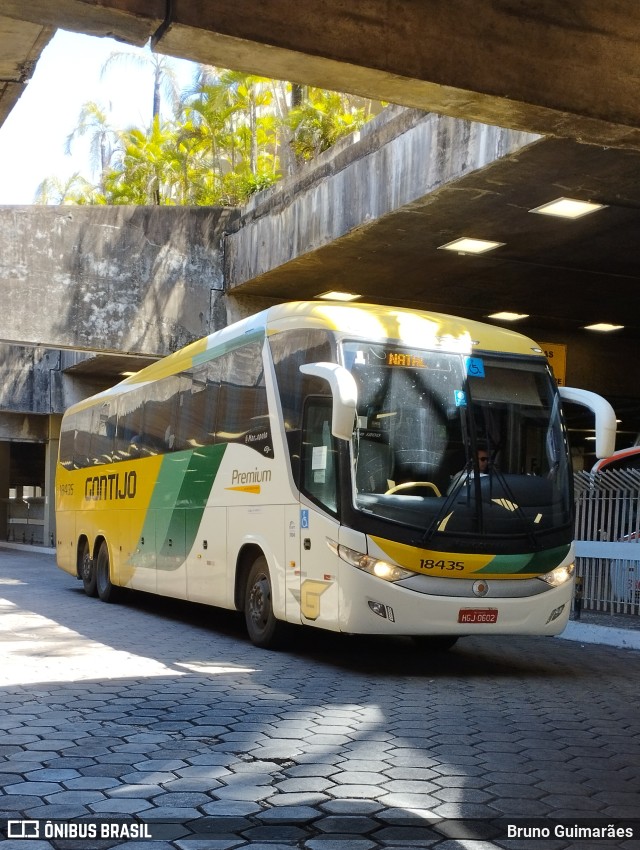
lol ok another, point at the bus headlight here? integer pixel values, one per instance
(373, 566)
(559, 576)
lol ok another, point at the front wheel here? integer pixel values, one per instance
(263, 628)
(107, 591)
(88, 570)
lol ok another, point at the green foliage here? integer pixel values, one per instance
(231, 135)
(321, 119)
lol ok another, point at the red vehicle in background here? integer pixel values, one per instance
(622, 459)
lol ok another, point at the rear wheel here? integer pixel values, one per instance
(106, 590)
(263, 628)
(87, 570)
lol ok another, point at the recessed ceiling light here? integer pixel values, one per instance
(568, 208)
(506, 316)
(603, 326)
(466, 245)
(336, 295)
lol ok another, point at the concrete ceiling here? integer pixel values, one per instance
(564, 274)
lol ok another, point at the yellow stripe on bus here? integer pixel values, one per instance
(449, 564)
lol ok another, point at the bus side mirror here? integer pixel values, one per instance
(604, 413)
(344, 392)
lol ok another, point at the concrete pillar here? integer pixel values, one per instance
(51, 457)
(4, 487)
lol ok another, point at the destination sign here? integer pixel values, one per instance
(406, 359)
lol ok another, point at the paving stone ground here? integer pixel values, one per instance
(163, 713)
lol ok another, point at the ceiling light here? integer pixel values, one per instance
(506, 316)
(466, 245)
(568, 208)
(336, 295)
(603, 326)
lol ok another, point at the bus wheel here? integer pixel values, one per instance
(87, 571)
(106, 590)
(434, 643)
(263, 628)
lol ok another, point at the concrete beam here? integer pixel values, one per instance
(567, 69)
(397, 164)
(136, 280)
(23, 428)
(21, 43)
(132, 21)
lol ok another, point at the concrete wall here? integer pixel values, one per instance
(121, 279)
(34, 380)
(400, 158)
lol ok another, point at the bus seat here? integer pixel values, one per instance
(374, 471)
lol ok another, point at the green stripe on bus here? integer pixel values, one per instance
(532, 563)
(255, 335)
(178, 501)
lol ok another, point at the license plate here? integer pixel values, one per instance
(478, 615)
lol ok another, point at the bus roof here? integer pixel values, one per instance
(415, 328)
(419, 328)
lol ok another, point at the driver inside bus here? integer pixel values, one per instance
(467, 474)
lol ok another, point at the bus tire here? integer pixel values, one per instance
(263, 628)
(87, 570)
(434, 643)
(106, 590)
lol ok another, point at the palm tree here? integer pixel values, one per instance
(236, 133)
(74, 190)
(103, 142)
(164, 77)
(323, 118)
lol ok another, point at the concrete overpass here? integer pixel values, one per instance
(371, 213)
(567, 69)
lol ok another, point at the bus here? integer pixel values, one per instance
(317, 464)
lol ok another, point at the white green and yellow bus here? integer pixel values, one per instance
(318, 464)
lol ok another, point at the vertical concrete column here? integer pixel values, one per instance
(4, 487)
(51, 457)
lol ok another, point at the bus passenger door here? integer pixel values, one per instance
(319, 482)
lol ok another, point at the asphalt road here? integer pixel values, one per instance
(162, 712)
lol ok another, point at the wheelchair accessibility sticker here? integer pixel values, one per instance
(475, 367)
(304, 518)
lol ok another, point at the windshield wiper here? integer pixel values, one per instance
(462, 480)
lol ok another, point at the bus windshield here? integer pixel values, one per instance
(458, 445)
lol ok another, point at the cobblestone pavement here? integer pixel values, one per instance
(163, 711)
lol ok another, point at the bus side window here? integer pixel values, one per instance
(196, 418)
(290, 349)
(129, 430)
(67, 438)
(242, 397)
(160, 413)
(319, 456)
(82, 441)
(103, 428)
